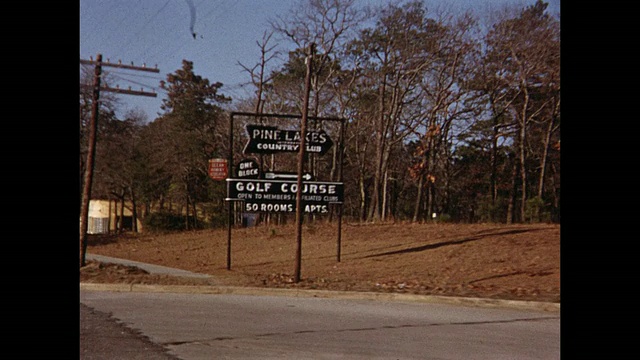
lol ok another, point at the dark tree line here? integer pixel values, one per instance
(447, 119)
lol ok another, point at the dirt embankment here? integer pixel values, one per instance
(520, 262)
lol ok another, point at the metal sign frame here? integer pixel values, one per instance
(340, 143)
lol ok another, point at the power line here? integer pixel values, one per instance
(137, 34)
(136, 75)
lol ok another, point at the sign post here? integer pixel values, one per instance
(301, 152)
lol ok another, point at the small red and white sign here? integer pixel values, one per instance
(218, 169)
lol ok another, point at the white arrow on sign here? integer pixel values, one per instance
(272, 175)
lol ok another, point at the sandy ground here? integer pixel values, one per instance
(516, 262)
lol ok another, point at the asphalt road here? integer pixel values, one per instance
(232, 326)
(102, 337)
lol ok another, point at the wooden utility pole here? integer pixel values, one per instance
(93, 129)
(88, 172)
(301, 153)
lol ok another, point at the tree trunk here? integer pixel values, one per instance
(134, 212)
(522, 120)
(109, 219)
(523, 172)
(186, 215)
(556, 196)
(494, 163)
(384, 196)
(195, 214)
(374, 210)
(514, 190)
(431, 155)
(363, 195)
(334, 162)
(384, 170)
(543, 161)
(430, 199)
(121, 222)
(416, 209)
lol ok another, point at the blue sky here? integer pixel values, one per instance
(157, 32)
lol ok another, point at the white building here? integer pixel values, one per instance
(104, 216)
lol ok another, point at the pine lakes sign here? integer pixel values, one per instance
(277, 192)
(270, 139)
(261, 195)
